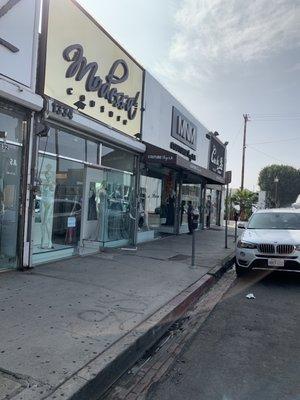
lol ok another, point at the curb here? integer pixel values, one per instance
(93, 380)
(219, 270)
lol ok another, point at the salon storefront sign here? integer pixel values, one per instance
(88, 71)
(216, 162)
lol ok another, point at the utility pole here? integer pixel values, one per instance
(246, 119)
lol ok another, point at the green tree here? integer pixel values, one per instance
(245, 199)
(288, 186)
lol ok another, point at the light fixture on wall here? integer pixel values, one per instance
(41, 129)
(226, 143)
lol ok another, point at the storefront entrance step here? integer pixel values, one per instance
(41, 258)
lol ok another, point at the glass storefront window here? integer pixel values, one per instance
(213, 198)
(57, 206)
(158, 197)
(48, 143)
(190, 193)
(92, 152)
(120, 206)
(10, 166)
(12, 124)
(168, 199)
(150, 202)
(78, 204)
(70, 145)
(118, 159)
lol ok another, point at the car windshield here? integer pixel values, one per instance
(274, 220)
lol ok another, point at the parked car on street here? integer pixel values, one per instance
(271, 240)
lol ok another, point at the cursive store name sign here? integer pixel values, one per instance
(216, 157)
(80, 68)
(87, 70)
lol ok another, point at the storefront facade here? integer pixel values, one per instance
(176, 166)
(18, 104)
(86, 156)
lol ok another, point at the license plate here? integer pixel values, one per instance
(275, 262)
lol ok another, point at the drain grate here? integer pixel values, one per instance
(179, 257)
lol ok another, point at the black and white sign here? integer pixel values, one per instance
(216, 156)
(183, 129)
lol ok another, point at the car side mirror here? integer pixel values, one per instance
(241, 225)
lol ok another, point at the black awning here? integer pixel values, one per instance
(156, 155)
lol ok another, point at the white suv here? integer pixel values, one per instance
(271, 241)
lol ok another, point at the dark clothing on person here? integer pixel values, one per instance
(208, 210)
(190, 217)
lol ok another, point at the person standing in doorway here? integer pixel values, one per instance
(182, 211)
(190, 211)
(208, 211)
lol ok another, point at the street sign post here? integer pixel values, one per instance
(195, 222)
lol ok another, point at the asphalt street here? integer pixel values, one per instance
(248, 349)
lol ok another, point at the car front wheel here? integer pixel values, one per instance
(240, 271)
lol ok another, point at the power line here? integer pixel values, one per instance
(286, 115)
(275, 141)
(234, 141)
(268, 155)
(275, 119)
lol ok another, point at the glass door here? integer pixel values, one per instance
(12, 128)
(10, 166)
(94, 206)
(121, 213)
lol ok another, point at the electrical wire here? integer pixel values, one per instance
(266, 154)
(275, 141)
(239, 132)
(274, 119)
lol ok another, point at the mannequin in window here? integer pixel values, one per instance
(47, 199)
(92, 210)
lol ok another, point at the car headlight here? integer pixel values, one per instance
(246, 245)
(298, 247)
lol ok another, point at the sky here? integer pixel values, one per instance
(222, 59)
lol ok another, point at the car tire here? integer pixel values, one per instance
(240, 271)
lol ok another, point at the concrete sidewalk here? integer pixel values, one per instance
(64, 322)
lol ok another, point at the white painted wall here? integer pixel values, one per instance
(157, 121)
(19, 27)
